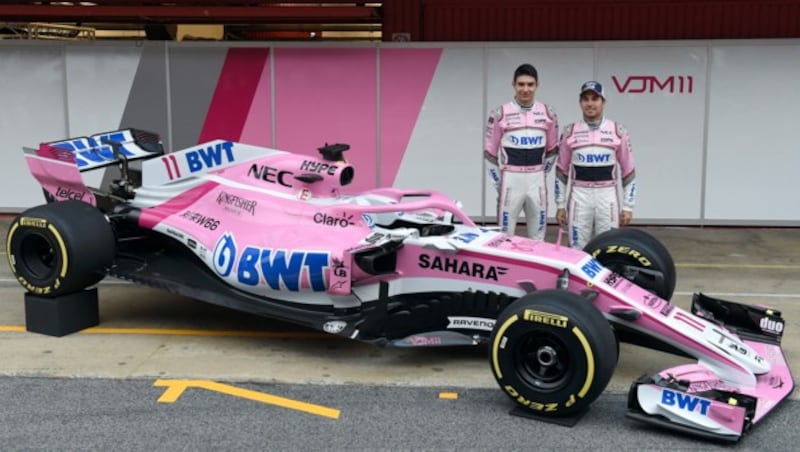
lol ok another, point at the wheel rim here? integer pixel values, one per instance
(543, 361)
(38, 256)
(618, 266)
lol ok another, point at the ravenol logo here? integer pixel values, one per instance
(685, 401)
(278, 268)
(526, 141)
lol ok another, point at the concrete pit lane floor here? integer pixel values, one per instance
(147, 333)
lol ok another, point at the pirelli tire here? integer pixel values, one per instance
(552, 352)
(60, 248)
(627, 247)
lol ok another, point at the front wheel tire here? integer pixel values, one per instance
(553, 352)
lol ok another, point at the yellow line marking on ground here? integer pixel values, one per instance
(187, 332)
(175, 389)
(448, 395)
(12, 328)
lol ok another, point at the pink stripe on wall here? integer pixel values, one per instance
(230, 106)
(328, 95)
(406, 76)
(258, 126)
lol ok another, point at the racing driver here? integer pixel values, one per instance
(520, 146)
(592, 153)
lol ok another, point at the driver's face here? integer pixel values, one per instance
(524, 89)
(592, 106)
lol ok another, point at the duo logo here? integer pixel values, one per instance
(92, 151)
(685, 401)
(279, 269)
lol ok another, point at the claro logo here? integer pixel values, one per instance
(640, 84)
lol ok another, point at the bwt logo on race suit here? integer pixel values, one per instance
(594, 158)
(637, 84)
(685, 401)
(279, 269)
(527, 141)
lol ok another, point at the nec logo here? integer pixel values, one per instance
(638, 84)
(526, 141)
(685, 401)
(594, 158)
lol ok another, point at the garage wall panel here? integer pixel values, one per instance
(753, 151)
(34, 110)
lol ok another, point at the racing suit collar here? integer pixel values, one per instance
(523, 107)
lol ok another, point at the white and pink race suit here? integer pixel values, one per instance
(590, 161)
(520, 146)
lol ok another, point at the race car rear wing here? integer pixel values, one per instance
(109, 148)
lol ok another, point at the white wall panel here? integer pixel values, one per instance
(99, 79)
(32, 90)
(753, 150)
(444, 153)
(562, 69)
(665, 116)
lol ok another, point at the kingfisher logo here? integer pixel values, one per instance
(643, 84)
(279, 269)
(527, 141)
(685, 402)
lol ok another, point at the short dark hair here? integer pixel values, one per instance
(526, 69)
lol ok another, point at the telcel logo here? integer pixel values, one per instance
(638, 84)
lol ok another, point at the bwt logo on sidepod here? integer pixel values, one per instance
(279, 269)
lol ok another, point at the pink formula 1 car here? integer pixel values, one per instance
(272, 233)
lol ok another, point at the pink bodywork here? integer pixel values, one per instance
(270, 222)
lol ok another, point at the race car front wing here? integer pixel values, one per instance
(693, 399)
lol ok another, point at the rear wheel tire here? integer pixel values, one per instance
(623, 248)
(553, 352)
(60, 248)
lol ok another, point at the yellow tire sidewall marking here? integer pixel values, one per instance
(11, 260)
(589, 361)
(496, 345)
(62, 247)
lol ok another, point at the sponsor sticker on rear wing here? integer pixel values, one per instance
(99, 150)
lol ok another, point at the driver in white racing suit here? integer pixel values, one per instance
(593, 154)
(520, 147)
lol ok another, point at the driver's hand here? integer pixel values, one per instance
(561, 216)
(625, 217)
